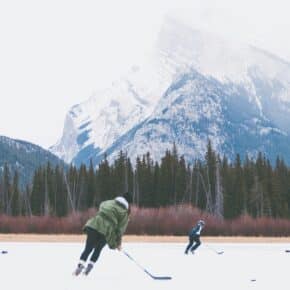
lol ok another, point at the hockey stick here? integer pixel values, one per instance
(147, 272)
(217, 252)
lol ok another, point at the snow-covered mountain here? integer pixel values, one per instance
(193, 86)
(24, 157)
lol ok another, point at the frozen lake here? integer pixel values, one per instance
(49, 266)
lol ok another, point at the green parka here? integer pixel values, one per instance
(111, 221)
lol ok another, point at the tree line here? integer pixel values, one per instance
(226, 189)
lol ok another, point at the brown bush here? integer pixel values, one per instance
(152, 221)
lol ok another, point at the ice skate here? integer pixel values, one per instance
(89, 268)
(79, 269)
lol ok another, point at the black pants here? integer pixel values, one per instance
(95, 242)
(193, 239)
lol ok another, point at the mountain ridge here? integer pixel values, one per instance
(252, 83)
(24, 157)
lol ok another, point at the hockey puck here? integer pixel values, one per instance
(4, 252)
(253, 280)
(287, 251)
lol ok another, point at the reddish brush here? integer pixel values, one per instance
(174, 220)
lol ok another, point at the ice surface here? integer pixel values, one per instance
(36, 266)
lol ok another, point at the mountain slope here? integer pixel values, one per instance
(194, 86)
(195, 109)
(24, 157)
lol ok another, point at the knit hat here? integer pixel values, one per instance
(128, 196)
(201, 223)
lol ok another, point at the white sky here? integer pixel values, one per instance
(55, 53)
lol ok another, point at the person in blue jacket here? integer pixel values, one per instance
(194, 237)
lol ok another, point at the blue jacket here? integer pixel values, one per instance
(195, 231)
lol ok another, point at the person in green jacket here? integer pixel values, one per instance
(107, 227)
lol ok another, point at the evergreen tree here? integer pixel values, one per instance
(220, 187)
(227, 173)
(82, 188)
(130, 176)
(249, 181)
(60, 193)
(174, 169)
(201, 191)
(73, 185)
(219, 194)
(280, 183)
(140, 195)
(211, 161)
(7, 190)
(104, 180)
(15, 199)
(180, 180)
(146, 181)
(26, 207)
(166, 179)
(156, 185)
(92, 187)
(120, 175)
(236, 196)
(37, 197)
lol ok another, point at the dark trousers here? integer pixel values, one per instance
(95, 242)
(193, 239)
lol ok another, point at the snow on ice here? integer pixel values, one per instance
(49, 266)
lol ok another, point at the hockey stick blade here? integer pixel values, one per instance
(161, 277)
(158, 277)
(146, 271)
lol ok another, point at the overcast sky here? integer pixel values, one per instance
(55, 53)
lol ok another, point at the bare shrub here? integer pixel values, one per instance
(179, 220)
(174, 220)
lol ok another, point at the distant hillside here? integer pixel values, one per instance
(24, 157)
